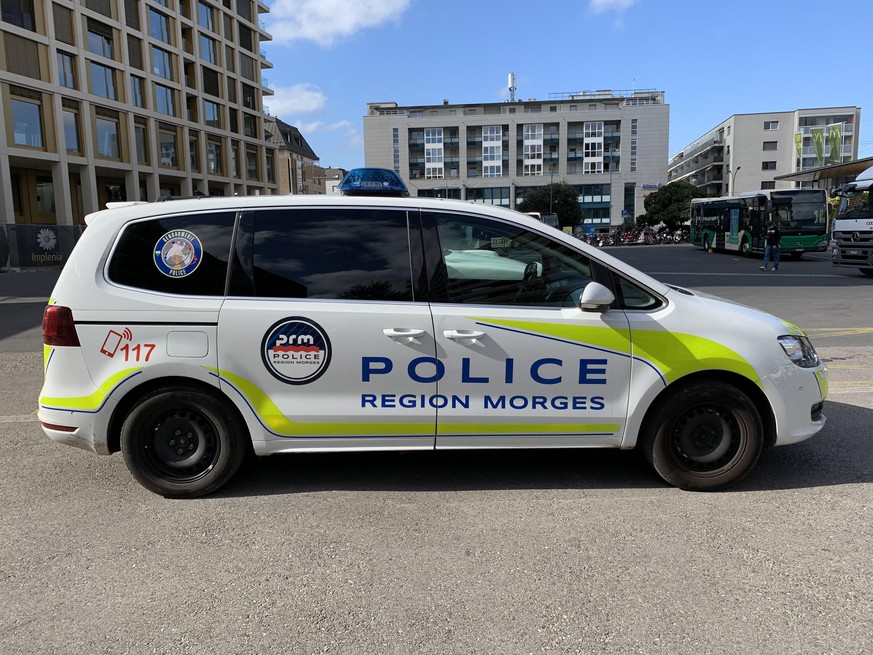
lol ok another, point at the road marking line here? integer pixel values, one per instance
(25, 418)
(28, 299)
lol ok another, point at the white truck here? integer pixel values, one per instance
(852, 229)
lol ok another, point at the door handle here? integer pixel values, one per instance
(463, 335)
(403, 335)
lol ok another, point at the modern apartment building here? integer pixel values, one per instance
(610, 145)
(749, 152)
(111, 100)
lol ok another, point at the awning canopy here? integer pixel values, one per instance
(831, 175)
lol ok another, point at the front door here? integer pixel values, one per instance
(523, 365)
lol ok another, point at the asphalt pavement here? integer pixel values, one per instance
(454, 552)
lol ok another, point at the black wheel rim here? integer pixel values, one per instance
(181, 445)
(707, 439)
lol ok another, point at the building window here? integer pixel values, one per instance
(159, 26)
(142, 144)
(204, 16)
(26, 123)
(492, 133)
(593, 130)
(22, 56)
(211, 113)
(19, 13)
(103, 81)
(213, 157)
(66, 70)
(249, 98)
(137, 98)
(208, 49)
(592, 149)
(533, 151)
(71, 131)
(194, 151)
(492, 153)
(532, 169)
(234, 164)
(433, 173)
(107, 138)
(99, 39)
(433, 155)
(250, 125)
(533, 132)
(771, 125)
(164, 101)
(433, 135)
(168, 149)
(768, 185)
(769, 145)
(768, 166)
(251, 164)
(271, 176)
(162, 63)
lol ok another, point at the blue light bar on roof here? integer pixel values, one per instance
(372, 182)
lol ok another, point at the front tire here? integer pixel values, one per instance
(746, 248)
(182, 442)
(704, 436)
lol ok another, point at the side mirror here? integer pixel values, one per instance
(596, 298)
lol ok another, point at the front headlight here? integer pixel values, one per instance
(799, 350)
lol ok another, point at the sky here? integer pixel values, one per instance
(712, 58)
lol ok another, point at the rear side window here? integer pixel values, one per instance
(183, 255)
(332, 253)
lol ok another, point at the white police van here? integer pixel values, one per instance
(185, 334)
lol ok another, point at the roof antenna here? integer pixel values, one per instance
(511, 85)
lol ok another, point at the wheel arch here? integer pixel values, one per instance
(744, 384)
(126, 403)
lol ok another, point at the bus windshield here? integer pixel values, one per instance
(804, 210)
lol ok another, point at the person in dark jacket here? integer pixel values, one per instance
(771, 247)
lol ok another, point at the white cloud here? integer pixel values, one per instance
(603, 6)
(300, 98)
(326, 21)
(351, 137)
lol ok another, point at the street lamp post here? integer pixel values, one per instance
(732, 180)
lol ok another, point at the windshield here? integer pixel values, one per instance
(800, 210)
(856, 205)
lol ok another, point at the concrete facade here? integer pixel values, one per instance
(610, 145)
(751, 152)
(108, 100)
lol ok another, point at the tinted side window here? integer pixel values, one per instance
(184, 254)
(494, 263)
(334, 253)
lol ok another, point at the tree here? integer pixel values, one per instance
(671, 204)
(564, 203)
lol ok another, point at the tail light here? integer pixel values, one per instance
(58, 328)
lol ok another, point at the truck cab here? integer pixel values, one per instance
(852, 231)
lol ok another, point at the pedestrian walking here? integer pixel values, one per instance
(771, 247)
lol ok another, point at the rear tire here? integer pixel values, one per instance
(182, 443)
(746, 248)
(704, 436)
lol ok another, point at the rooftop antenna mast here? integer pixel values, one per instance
(511, 85)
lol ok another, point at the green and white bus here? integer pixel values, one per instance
(739, 223)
